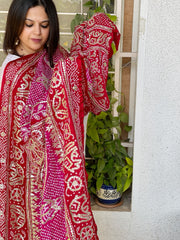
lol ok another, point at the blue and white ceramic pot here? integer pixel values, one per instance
(108, 195)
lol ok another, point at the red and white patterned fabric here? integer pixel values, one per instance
(43, 182)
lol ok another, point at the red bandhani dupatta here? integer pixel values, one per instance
(43, 182)
(13, 165)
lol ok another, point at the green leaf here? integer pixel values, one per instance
(115, 121)
(127, 184)
(113, 46)
(100, 124)
(90, 13)
(109, 165)
(119, 176)
(92, 146)
(130, 170)
(110, 83)
(113, 100)
(101, 165)
(124, 117)
(122, 150)
(113, 183)
(113, 18)
(79, 18)
(109, 123)
(112, 173)
(99, 182)
(120, 108)
(101, 116)
(103, 131)
(99, 9)
(90, 175)
(93, 133)
(107, 136)
(88, 4)
(129, 161)
(73, 25)
(99, 152)
(125, 170)
(106, 182)
(128, 128)
(118, 128)
(94, 166)
(110, 146)
(93, 190)
(119, 184)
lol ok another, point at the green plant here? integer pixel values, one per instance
(110, 163)
(93, 7)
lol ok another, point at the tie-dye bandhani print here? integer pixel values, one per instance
(43, 182)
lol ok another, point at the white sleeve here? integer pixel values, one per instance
(9, 58)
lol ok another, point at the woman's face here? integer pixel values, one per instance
(35, 32)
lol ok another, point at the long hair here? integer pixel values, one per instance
(16, 19)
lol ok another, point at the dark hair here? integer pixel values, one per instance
(15, 23)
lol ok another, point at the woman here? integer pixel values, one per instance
(45, 95)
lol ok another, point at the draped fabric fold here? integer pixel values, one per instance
(43, 182)
(92, 40)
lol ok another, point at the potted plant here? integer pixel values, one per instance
(110, 166)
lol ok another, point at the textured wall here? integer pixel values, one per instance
(156, 189)
(156, 198)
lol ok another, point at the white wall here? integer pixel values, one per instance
(156, 188)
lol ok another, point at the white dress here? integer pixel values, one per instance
(9, 58)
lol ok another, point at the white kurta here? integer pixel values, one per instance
(9, 58)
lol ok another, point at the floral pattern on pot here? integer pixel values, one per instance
(108, 195)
